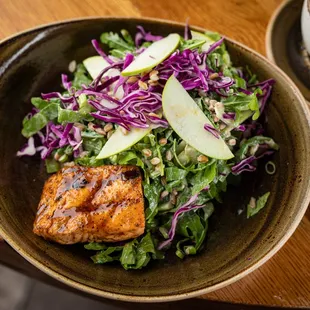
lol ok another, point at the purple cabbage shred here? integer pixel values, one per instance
(212, 130)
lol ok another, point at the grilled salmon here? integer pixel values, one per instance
(84, 204)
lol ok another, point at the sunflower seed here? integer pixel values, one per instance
(147, 152)
(101, 131)
(164, 194)
(202, 159)
(163, 141)
(155, 161)
(169, 155)
(213, 76)
(108, 127)
(72, 66)
(142, 85)
(132, 79)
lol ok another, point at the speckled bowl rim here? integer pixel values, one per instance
(268, 43)
(195, 293)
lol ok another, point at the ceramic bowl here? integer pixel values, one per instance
(31, 63)
(285, 45)
(305, 24)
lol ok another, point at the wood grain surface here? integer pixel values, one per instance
(285, 279)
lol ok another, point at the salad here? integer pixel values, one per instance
(174, 106)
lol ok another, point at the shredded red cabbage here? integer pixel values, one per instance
(246, 164)
(128, 60)
(229, 115)
(67, 85)
(214, 46)
(55, 137)
(136, 109)
(140, 108)
(240, 128)
(188, 206)
(28, 149)
(94, 84)
(99, 50)
(266, 87)
(142, 35)
(212, 130)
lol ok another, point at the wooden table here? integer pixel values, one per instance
(285, 279)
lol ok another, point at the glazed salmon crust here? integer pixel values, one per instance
(84, 204)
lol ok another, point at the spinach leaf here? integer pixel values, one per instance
(152, 193)
(203, 178)
(137, 255)
(68, 116)
(93, 146)
(239, 82)
(133, 255)
(191, 44)
(50, 111)
(81, 77)
(193, 225)
(117, 53)
(95, 246)
(90, 134)
(213, 35)
(52, 165)
(183, 197)
(129, 254)
(92, 142)
(252, 78)
(129, 157)
(174, 173)
(144, 248)
(39, 103)
(242, 102)
(179, 252)
(39, 120)
(34, 124)
(128, 38)
(107, 255)
(255, 206)
(118, 45)
(89, 161)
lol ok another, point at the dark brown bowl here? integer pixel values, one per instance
(284, 44)
(32, 62)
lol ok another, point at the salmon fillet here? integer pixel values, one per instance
(82, 204)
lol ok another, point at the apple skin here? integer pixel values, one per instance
(120, 142)
(153, 55)
(188, 120)
(95, 64)
(201, 36)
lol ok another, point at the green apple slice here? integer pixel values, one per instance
(119, 141)
(188, 120)
(94, 65)
(201, 36)
(153, 55)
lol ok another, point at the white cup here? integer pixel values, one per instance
(305, 24)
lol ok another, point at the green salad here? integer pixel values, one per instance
(174, 106)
